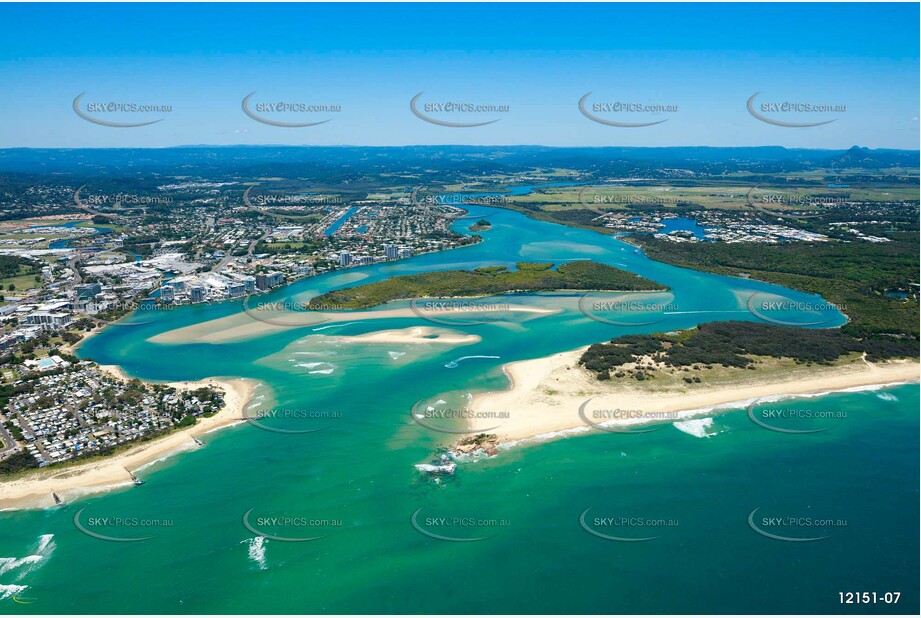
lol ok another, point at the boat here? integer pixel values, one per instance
(57, 499)
(197, 441)
(134, 479)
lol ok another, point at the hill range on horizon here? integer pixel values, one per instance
(76, 160)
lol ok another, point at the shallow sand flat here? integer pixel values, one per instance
(70, 482)
(243, 326)
(415, 334)
(546, 393)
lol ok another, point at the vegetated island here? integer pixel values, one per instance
(671, 377)
(481, 225)
(487, 281)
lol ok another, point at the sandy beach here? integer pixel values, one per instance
(244, 325)
(33, 491)
(71, 348)
(546, 393)
(415, 334)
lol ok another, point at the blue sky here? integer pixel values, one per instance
(537, 59)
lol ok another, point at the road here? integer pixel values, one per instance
(249, 251)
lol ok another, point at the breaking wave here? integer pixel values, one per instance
(18, 568)
(256, 550)
(697, 427)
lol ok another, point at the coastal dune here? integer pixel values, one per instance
(546, 394)
(34, 489)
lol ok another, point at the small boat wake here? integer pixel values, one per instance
(332, 326)
(453, 364)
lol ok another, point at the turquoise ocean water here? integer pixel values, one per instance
(537, 509)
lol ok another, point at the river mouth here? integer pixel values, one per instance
(335, 442)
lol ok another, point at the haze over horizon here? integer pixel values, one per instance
(453, 145)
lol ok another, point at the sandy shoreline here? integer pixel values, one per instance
(546, 394)
(413, 334)
(33, 491)
(71, 348)
(243, 325)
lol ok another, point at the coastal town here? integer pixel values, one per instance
(100, 257)
(757, 225)
(75, 411)
(709, 226)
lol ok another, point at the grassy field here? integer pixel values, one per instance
(14, 224)
(18, 238)
(102, 226)
(22, 282)
(15, 236)
(24, 279)
(608, 198)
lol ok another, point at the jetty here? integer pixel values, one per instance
(134, 479)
